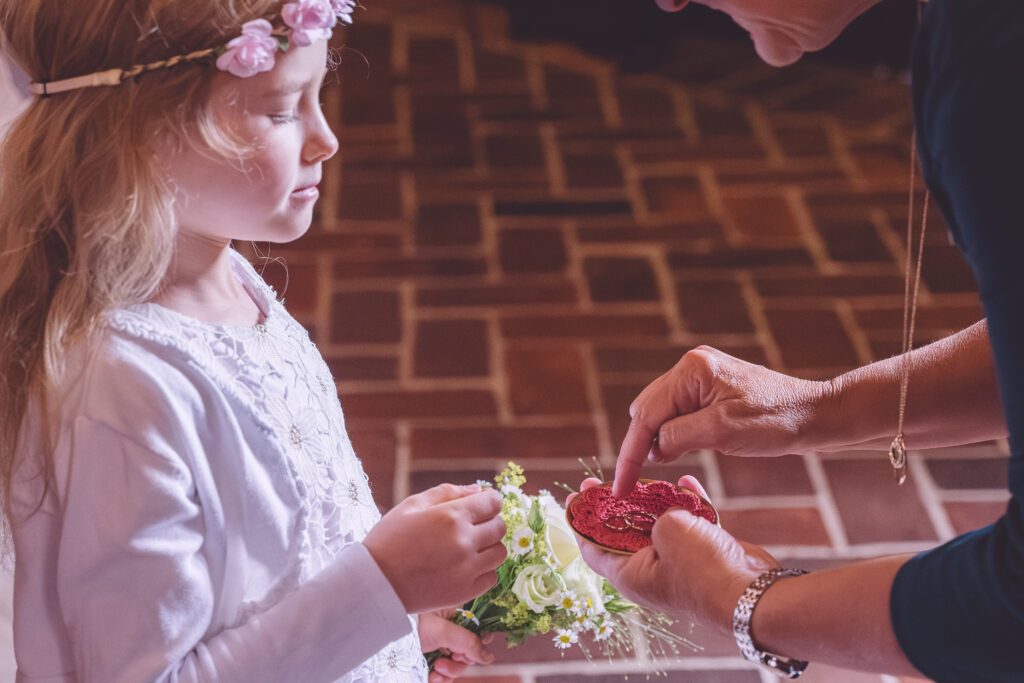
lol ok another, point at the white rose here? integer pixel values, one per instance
(560, 538)
(588, 586)
(538, 587)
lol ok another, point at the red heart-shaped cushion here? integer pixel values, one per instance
(625, 523)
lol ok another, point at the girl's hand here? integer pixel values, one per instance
(693, 569)
(440, 547)
(712, 400)
(465, 647)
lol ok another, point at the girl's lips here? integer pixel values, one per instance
(306, 193)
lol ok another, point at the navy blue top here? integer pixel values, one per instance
(958, 610)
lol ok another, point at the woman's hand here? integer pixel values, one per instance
(464, 647)
(713, 400)
(693, 569)
(783, 30)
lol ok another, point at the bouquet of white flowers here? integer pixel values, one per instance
(544, 586)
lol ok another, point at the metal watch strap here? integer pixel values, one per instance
(741, 616)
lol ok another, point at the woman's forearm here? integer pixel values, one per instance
(952, 399)
(818, 616)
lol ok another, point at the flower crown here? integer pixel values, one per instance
(253, 52)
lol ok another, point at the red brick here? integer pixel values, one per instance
(762, 216)
(656, 360)
(722, 120)
(497, 295)
(804, 141)
(421, 480)
(395, 266)
(852, 240)
(592, 171)
(811, 339)
(451, 348)
(945, 270)
(928, 317)
(713, 306)
(621, 279)
(776, 526)
(970, 516)
(683, 233)
(617, 398)
(433, 59)
(883, 161)
(363, 367)
(365, 317)
(680, 196)
(376, 450)
(576, 94)
(811, 285)
(512, 443)
(532, 251)
(538, 649)
(648, 107)
(872, 507)
(495, 66)
(448, 225)
(298, 284)
(366, 196)
(720, 256)
(584, 326)
(546, 381)
(393, 405)
(517, 151)
(765, 476)
(975, 473)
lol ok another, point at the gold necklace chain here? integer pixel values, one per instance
(898, 449)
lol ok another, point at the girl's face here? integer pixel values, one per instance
(270, 195)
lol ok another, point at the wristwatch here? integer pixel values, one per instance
(741, 616)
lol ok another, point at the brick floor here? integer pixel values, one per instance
(516, 238)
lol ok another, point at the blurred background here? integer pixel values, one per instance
(540, 206)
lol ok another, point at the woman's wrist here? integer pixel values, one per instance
(822, 425)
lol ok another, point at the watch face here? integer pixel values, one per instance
(624, 525)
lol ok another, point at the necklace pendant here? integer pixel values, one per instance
(898, 458)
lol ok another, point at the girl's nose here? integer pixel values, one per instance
(322, 143)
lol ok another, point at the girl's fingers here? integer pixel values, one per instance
(448, 668)
(488, 533)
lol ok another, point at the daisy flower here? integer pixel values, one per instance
(522, 541)
(568, 601)
(565, 638)
(603, 631)
(468, 616)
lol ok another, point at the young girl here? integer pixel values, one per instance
(184, 500)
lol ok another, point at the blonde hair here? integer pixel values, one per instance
(87, 221)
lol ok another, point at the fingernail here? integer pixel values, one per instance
(472, 487)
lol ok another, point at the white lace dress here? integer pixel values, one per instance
(272, 373)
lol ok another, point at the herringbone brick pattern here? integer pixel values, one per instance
(516, 239)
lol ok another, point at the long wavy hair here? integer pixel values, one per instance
(87, 221)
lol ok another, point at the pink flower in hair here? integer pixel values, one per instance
(252, 52)
(310, 20)
(343, 9)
